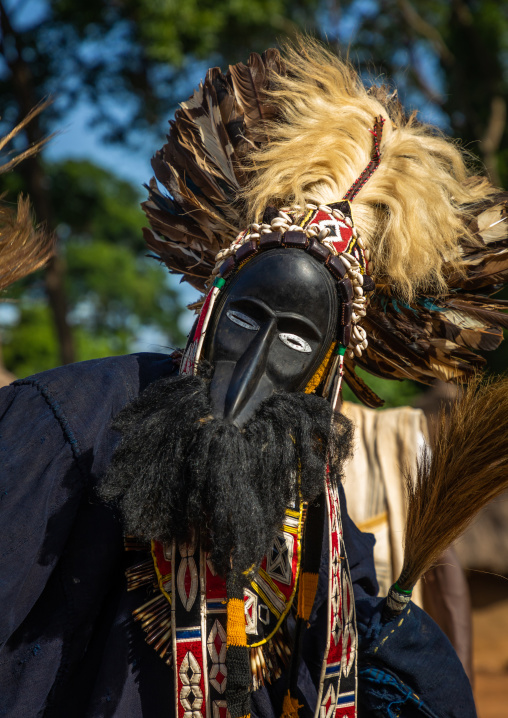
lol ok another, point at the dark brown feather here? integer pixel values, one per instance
(250, 83)
(200, 167)
(360, 388)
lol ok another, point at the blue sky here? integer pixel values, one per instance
(77, 140)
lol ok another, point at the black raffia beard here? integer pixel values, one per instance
(177, 470)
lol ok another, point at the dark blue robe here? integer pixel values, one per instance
(68, 645)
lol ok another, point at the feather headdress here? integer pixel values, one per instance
(286, 132)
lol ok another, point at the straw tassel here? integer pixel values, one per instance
(290, 707)
(306, 594)
(155, 614)
(467, 469)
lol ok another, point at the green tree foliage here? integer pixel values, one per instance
(138, 53)
(114, 290)
(128, 62)
(450, 59)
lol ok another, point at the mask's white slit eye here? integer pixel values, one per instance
(293, 341)
(242, 320)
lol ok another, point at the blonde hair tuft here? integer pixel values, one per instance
(411, 213)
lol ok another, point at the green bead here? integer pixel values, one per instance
(219, 282)
(402, 590)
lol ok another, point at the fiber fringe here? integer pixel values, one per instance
(268, 661)
(155, 614)
(467, 469)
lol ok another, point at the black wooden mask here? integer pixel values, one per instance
(270, 331)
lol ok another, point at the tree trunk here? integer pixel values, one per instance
(37, 182)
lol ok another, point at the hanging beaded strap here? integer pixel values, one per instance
(337, 691)
(375, 159)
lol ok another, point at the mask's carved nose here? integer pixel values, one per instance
(248, 371)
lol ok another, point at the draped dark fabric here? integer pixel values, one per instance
(68, 646)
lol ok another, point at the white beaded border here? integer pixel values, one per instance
(282, 223)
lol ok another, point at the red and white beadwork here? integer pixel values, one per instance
(336, 231)
(338, 683)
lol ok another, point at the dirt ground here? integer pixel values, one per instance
(489, 596)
